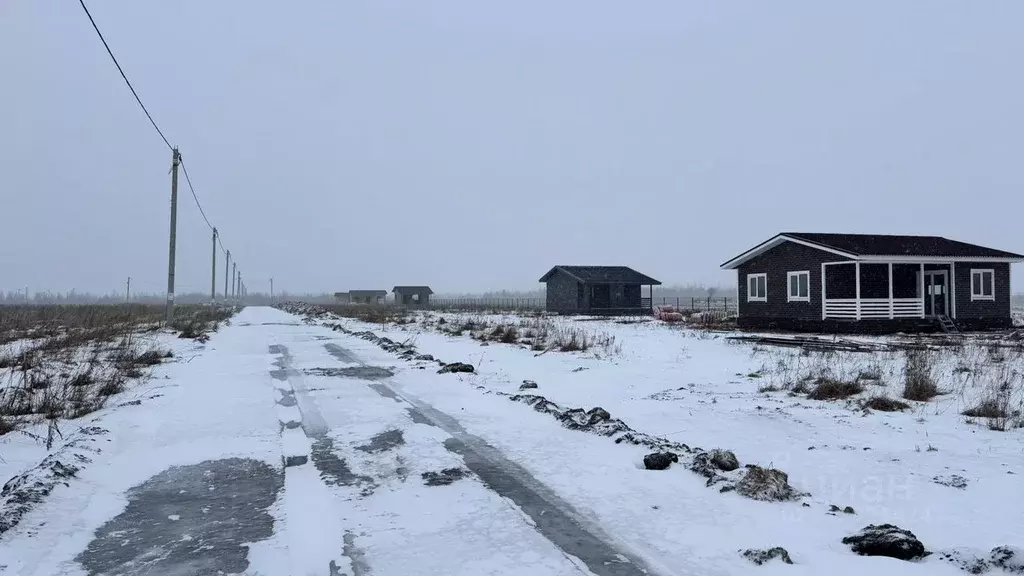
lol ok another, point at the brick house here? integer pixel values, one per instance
(872, 283)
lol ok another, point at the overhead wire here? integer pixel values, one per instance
(199, 205)
(152, 121)
(125, 76)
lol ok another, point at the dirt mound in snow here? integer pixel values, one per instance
(23, 492)
(759, 557)
(1009, 559)
(718, 466)
(457, 367)
(445, 477)
(766, 484)
(886, 540)
(660, 460)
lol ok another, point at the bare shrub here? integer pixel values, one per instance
(511, 335)
(832, 389)
(919, 376)
(884, 404)
(571, 340)
(989, 408)
(114, 385)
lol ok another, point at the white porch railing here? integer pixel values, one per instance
(853, 308)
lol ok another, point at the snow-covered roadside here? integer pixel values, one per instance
(179, 419)
(691, 388)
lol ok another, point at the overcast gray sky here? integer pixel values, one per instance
(471, 145)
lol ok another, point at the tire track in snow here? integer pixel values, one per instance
(549, 514)
(314, 534)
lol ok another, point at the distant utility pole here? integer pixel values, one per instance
(175, 160)
(227, 269)
(213, 275)
(271, 290)
(128, 296)
(234, 279)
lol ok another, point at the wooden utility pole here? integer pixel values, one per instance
(271, 290)
(175, 160)
(227, 270)
(213, 274)
(234, 280)
(128, 296)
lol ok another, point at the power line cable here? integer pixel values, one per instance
(125, 76)
(181, 159)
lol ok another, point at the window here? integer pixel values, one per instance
(983, 284)
(757, 287)
(799, 286)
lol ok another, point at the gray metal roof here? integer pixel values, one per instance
(897, 245)
(873, 246)
(602, 275)
(410, 289)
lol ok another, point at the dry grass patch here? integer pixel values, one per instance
(884, 404)
(919, 376)
(832, 389)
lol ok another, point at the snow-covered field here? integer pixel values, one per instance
(396, 469)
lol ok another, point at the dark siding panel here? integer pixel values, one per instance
(777, 262)
(983, 313)
(561, 293)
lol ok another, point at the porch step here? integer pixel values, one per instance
(947, 324)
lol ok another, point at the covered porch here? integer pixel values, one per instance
(856, 290)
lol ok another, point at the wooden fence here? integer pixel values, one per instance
(698, 304)
(497, 304)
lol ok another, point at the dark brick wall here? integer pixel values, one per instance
(562, 293)
(786, 257)
(985, 314)
(830, 326)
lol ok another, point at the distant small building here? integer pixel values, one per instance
(341, 297)
(598, 290)
(367, 296)
(412, 295)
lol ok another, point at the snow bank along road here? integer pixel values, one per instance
(284, 448)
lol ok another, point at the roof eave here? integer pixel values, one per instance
(775, 241)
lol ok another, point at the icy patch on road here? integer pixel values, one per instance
(218, 508)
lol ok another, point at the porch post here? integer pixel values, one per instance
(891, 314)
(952, 290)
(921, 276)
(823, 291)
(856, 267)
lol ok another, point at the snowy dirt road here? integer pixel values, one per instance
(286, 448)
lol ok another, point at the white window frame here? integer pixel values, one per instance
(763, 298)
(982, 296)
(789, 286)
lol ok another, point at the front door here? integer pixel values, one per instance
(936, 293)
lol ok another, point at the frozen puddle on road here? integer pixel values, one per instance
(201, 516)
(551, 516)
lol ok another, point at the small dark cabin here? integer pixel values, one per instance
(598, 290)
(367, 296)
(872, 283)
(412, 295)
